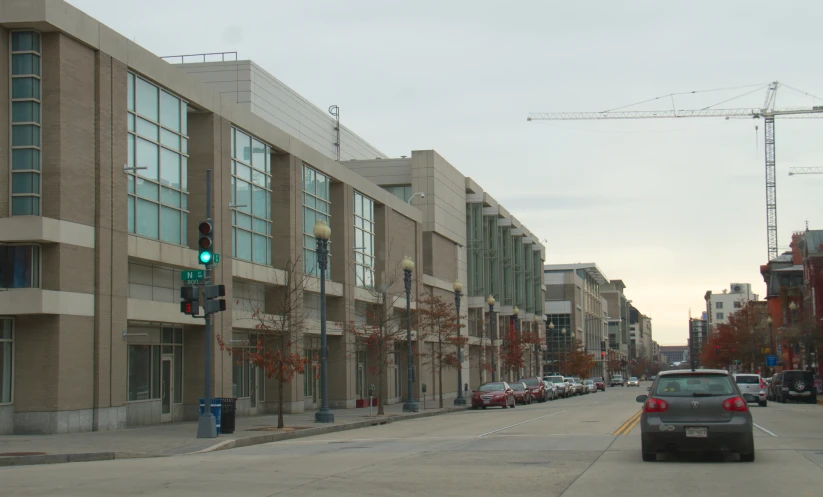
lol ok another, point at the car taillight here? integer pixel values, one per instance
(762, 385)
(656, 405)
(735, 404)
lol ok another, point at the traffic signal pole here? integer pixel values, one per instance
(206, 426)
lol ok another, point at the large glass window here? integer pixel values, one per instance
(363, 240)
(6, 357)
(403, 192)
(251, 196)
(144, 363)
(25, 123)
(19, 266)
(316, 206)
(158, 147)
(245, 380)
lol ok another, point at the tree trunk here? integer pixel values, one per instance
(380, 381)
(440, 369)
(280, 423)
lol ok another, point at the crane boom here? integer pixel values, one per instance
(805, 170)
(767, 113)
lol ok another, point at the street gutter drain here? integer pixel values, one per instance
(20, 454)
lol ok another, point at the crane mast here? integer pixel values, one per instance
(767, 113)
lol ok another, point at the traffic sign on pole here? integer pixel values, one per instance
(197, 274)
(771, 360)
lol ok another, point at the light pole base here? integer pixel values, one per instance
(410, 406)
(324, 416)
(459, 401)
(207, 426)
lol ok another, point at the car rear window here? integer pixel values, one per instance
(694, 385)
(748, 379)
(491, 387)
(532, 382)
(797, 375)
(554, 379)
(518, 386)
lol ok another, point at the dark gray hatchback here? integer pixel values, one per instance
(700, 410)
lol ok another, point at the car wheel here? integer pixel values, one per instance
(649, 456)
(764, 403)
(747, 457)
(484, 407)
(514, 404)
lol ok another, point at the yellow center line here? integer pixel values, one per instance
(628, 425)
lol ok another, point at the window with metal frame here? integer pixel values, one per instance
(19, 266)
(363, 241)
(6, 360)
(26, 118)
(158, 155)
(251, 197)
(316, 207)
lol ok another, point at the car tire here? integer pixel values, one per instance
(763, 404)
(649, 456)
(747, 457)
(483, 407)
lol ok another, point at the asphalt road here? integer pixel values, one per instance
(585, 446)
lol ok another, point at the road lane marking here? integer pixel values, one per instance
(521, 423)
(764, 429)
(632, 421)
(631, 425)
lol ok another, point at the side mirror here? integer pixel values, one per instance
(641, 398)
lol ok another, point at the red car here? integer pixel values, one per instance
(536, 387)
(493, 394)
(599, 383)
(522, 394)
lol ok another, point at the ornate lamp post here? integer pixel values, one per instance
(554, 349)
(565, 348)
(490, 301)
(322, 233)
(458, 292)
(538, 367)
(408, 266)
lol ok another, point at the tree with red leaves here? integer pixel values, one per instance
(578, 362)
(279, 332)
(744, 338)
(437, 320)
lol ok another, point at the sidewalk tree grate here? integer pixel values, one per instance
(21, 454)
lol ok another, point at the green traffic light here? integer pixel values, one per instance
(205, 257)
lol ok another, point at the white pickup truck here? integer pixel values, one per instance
(617, 380)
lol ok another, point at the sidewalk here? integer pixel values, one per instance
(180, 438)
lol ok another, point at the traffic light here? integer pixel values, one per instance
(190, 304)
(602, 354)
(206, 243)
(211, 303)
(717, 349)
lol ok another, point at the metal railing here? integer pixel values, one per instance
(201, 57)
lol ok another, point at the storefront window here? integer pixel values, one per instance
(6, 357)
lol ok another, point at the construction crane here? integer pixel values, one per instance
(805, 170)
(767, 112)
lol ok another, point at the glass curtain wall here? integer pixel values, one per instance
(316, 206)
(6, 357)
(158, 149)
(251, 197)
(474, 240)
(506, 263)
(363, 240)
(25, 123)
(491, 247)
(519, 281)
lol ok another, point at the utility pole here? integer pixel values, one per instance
(206, 427)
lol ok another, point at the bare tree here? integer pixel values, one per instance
(380, 327)
(438, 319)
(279, 330)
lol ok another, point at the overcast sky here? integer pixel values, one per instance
(671, 207)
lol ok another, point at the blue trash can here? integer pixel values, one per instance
(216, 411)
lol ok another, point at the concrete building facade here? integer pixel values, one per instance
(722, 305)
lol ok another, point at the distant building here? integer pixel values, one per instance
(698, 334)
(673, 354)
(719, 306)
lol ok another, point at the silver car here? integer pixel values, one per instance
(752, 387)
(560, 383)
(695, 411)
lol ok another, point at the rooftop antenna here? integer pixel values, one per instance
(335, 112)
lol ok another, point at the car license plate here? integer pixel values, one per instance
(697, 432)
(486, 401)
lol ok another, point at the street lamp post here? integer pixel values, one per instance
(771, 344)
(490, 301)
(408, 266)
(553, 353)
(458, 292)
(565, 347)
(322, 233)
(537, 350)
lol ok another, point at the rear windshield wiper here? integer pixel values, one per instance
(702, 394)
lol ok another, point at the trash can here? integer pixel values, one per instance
(228, 414)
(216, 408)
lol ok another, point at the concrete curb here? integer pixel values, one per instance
(310, 432)
(8, 461)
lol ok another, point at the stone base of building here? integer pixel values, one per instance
(6, 420)
(110, 418)
(50, 422)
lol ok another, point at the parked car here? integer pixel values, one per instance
(522, 394)
(560, 383)
(616, 381)
(752, 387)
(633, 382)
(599, 382)
(577, 385)
(695, 411)
(551, 388)
(536, 388)
(590, 386)
(493, 394)
(771, 387)
(794, 385)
